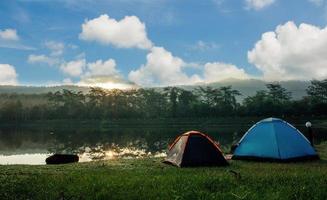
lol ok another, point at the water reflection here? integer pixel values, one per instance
(86, 154)
(101, 153)
(23, 159)
(32, 143)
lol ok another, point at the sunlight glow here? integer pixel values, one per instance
(117, 153)
(109, 85)
(106, 82)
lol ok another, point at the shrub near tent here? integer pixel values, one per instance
(276, 140)
(193, 149)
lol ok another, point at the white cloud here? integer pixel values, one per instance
(80, 68)
(9, 35)
(67, 81)
(42, 59)
(317, 2)
(291, 53)
(102, 68)
(162, 68)
(218, 2)
(222, 8)
(258, 4)
(218, 71)
(8, 75)
(73, 46)
(204, 46)
(73, 68)
(9, 39)
(56, 48)
(97, 74)
(17, 46)
(54, 58)
(127, 33)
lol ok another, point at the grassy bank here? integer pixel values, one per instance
(151, 179)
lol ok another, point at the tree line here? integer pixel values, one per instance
(169, 102)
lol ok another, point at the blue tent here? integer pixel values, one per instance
(274, 139)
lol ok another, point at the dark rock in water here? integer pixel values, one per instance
(61, 159)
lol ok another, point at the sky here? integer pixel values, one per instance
(125, 43)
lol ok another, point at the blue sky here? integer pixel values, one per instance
(42, 42)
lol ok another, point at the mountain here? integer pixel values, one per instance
(251, 86)
(246, 87)
(39, 89)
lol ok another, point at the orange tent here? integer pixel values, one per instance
(195, 149)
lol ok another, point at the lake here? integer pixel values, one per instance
(31, 143)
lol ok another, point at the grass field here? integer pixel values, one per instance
(151, 179)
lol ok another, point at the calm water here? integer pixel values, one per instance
(32, 143)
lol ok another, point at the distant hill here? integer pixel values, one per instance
(39, 89)
(251, 86)
(246, 87)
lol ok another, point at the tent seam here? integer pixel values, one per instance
(277, 144)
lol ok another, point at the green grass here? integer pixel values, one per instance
(151, 179)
